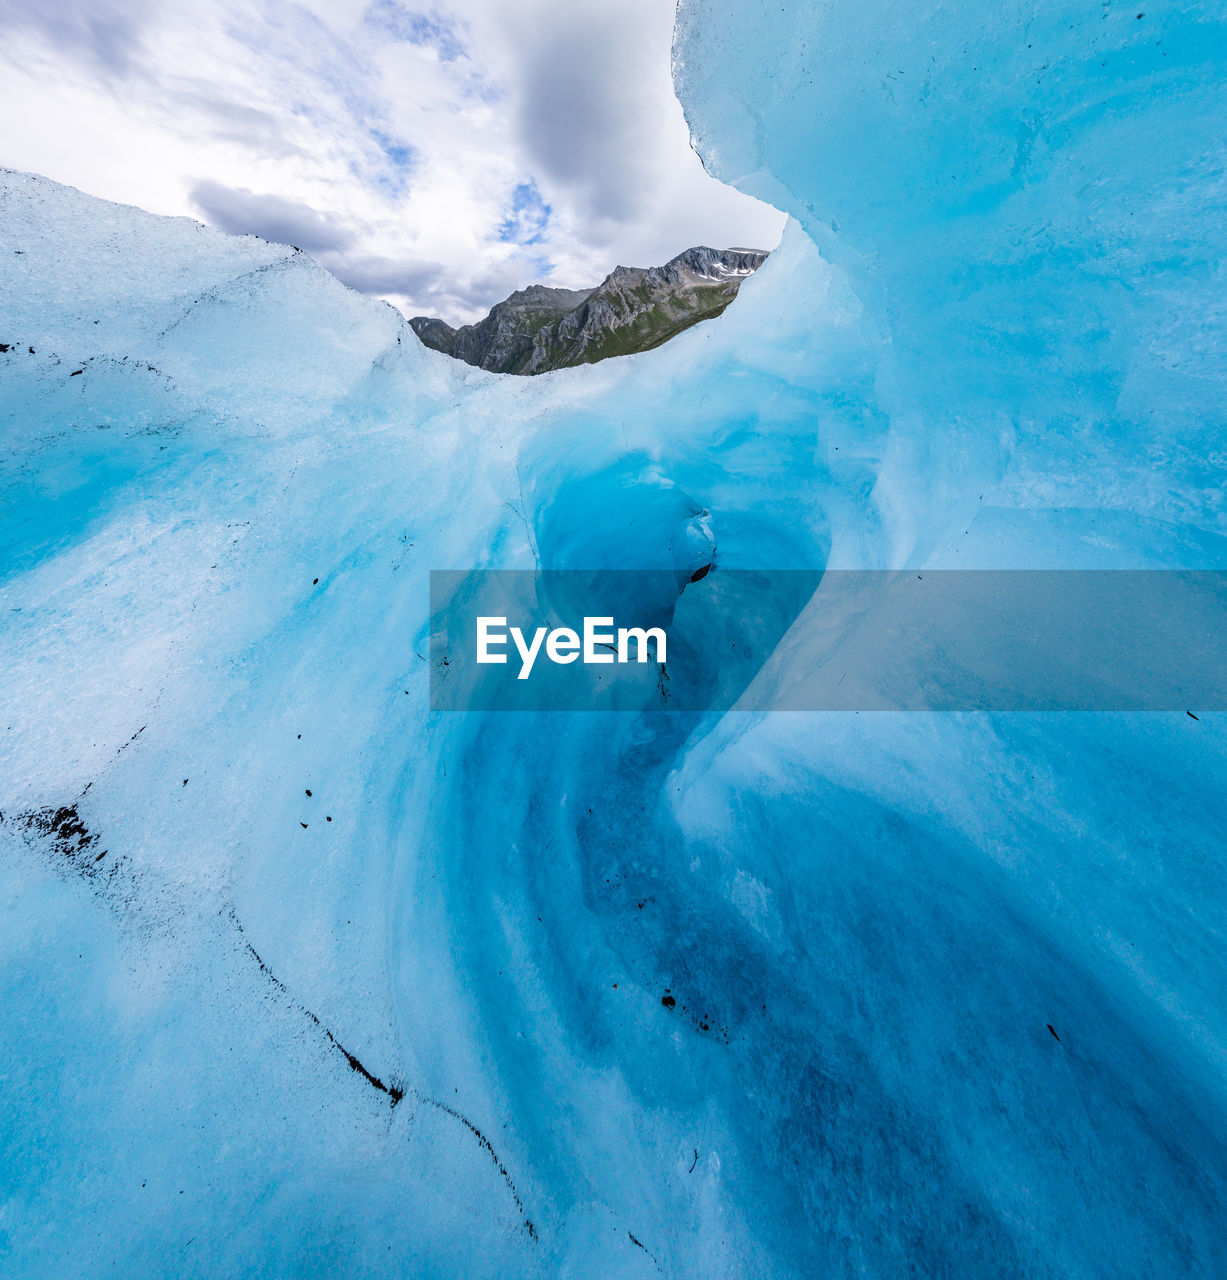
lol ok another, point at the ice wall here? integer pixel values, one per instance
(299, 979)
(1022, 201)
(1024, 198)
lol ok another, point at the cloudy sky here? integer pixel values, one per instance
(438, 156)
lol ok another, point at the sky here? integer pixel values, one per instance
(439, 157)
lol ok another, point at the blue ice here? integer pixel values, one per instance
(299, 979)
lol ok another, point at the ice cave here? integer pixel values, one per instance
(302, 978)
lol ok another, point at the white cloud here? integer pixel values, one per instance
(437, 156)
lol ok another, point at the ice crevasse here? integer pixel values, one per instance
(299, 978)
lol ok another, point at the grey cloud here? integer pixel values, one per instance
(243, 212)
(431, 287)
(375, 275)
(584, 117)
(238, 122)
(105, 36)
(427, 288)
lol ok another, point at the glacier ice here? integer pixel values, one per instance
(301, 979)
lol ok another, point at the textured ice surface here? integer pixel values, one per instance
(427, 1037)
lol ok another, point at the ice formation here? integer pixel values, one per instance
(301, 979)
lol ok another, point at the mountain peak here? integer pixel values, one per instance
(633, 309)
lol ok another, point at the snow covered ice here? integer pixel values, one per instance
(299, 978)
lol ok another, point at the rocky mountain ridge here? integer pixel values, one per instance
(632, 309)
